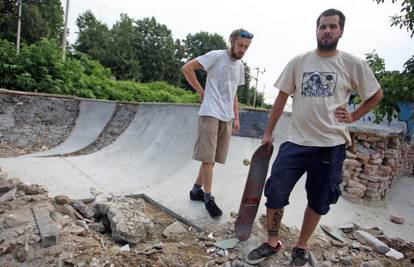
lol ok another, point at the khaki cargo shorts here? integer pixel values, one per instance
(213, 140)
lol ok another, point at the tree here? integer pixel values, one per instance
(40, 19)
(376, 63)
(8, 20)
(397, 86)
(244, 92)
(406, 18)
(198, 44)
(94, 37)
(157, 52)
(202, 42)
(123, 59)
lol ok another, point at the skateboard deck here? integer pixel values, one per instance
(253, 191)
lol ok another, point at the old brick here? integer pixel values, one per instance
(397, 219)
(355, 191)
(375, 161)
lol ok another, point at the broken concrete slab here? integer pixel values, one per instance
(128, 223)
(333, 232)
(14, 220)
(174, 228)
(227, 243)
(47, 228)
(367, 238)
(8, 196)
(394, 254)
(84, 210)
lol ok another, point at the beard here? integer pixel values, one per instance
(234, 55)
(330, 46)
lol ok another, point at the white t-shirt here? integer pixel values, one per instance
(319, 85)
(224, 75)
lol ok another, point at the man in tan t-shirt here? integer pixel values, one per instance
(320, 82)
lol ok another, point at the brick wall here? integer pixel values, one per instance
(372, 163)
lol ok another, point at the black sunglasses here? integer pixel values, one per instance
(247, 35)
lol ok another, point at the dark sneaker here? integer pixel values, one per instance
(299, 257)
(261, 253)
(212, 208)
(197, 196)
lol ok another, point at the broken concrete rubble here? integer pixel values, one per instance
(175, 228)
(397, 219)
(127, 219)
(80, 242)
(47, 227)
(366, 238)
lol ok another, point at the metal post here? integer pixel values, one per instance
(65, 30)
(257, 80)
(19, 22)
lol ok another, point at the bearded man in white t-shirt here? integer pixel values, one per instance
(218, 111)
(320, 83)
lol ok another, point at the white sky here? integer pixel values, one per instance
(282, 29)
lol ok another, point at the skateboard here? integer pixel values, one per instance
(253, 191)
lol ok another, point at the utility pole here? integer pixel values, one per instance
(65, 30)
(257, 80)
(19, 22)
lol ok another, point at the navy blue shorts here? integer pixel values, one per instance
(323, 166)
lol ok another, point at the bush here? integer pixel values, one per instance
(40, 67)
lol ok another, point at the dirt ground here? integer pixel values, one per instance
(29, 124)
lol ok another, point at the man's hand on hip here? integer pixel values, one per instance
(342, 115)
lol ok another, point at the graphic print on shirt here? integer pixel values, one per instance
(319, 84)
(226, 82)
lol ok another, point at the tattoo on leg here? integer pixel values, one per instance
(273, 228)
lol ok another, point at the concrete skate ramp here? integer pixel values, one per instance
(153, 157)
(92, 119)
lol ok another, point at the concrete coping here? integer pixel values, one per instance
(24, 93)
(375, 129)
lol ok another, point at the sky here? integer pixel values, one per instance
(282, 29)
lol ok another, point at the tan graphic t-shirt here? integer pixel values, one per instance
(318, 86)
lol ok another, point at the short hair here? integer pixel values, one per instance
(332, 12)
(239, 33)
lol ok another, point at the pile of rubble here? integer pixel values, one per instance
(106, 231)
(372, 163)
(36, 230)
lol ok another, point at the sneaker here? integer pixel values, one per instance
(212, 208)
(197, 196)
(299, 257)
(263, 252)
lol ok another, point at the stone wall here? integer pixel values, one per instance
(372, 163)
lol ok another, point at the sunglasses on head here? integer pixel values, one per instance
(247, 35)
